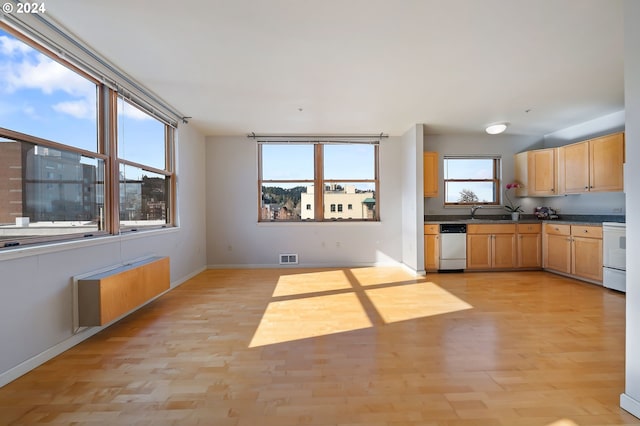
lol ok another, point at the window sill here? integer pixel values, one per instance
(56, 247)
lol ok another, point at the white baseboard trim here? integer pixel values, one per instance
(629, 404)
(36, 361)
(306, 265)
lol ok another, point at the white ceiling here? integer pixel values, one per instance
(365, 66)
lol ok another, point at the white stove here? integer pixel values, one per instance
(614, 255)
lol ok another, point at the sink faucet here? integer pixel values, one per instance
(473, 210)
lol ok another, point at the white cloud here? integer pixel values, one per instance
(43, 73)
(22, 67)
(78, 109)
(10, 46)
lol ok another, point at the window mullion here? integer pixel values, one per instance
(112, 197)
(318, 176)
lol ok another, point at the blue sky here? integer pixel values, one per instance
(43, 98)
(289, 161)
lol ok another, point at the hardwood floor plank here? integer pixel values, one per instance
(344, 346)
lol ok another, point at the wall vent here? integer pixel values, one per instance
(288, 258)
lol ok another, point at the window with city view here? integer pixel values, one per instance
(290, 173)
(472, 180)
(55, 182)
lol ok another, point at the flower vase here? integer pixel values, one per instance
(515, 215)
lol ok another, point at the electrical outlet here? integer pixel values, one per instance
(617, 210)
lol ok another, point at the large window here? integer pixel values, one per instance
(472, 180)
(290, 173)
(145, 172)
(67, 169)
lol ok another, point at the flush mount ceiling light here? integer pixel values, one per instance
(496, 128)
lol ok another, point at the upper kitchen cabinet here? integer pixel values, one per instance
(536, 171)
(595, 165)
(430, 170)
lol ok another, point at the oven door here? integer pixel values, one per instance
(614, 247)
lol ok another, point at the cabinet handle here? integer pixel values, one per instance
(586, 230)
(586, 187)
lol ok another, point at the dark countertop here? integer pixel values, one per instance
(587, 220)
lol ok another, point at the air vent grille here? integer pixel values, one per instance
(288, 258)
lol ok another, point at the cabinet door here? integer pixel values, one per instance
(529, 250)
(606, 163)
(587, 258)
(575, 168)
(503, 248)
(478, 251)
(430, 171)
(558, 253)
(541, 170)
(431, 252)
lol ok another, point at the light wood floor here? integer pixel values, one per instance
(364, 346)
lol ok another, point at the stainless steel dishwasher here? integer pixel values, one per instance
(453, 247)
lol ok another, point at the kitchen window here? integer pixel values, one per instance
(290, 174)
(471, 180)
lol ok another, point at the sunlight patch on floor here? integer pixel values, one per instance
(372, 276)
(563, 422)
(308, 317)
(311, 282)
(412, 301)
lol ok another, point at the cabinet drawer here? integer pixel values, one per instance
(529, 228)
(506, 228)
(586, 231)
(554, 229)
(432, 229)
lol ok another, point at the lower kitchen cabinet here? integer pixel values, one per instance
(431, 247)
(491, 246)
(574, 250)
(529, 245)
(587, 252)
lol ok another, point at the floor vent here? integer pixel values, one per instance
(288, 259)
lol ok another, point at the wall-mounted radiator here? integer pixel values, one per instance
(105, 296)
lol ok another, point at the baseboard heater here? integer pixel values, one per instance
(105, 296)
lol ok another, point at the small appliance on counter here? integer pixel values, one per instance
(545, 213)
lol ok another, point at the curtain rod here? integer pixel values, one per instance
(319, 138)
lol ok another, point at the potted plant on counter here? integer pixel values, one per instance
(510, 207)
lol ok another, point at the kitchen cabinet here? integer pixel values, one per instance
(536, 171)
(529, 245)
(595, 165)
(491, 246)
(431, 247)
(557, 248)
(430, 172)
(587, 252)
(574, 250)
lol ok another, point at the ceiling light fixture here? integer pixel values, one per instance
(496, 128)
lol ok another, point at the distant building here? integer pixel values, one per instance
(10, 181)
(340, 202)
(46, 184)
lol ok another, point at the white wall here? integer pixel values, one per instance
(412, 195)
(36, 283)
(505, 145)
(630, 399)
(236, 239)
